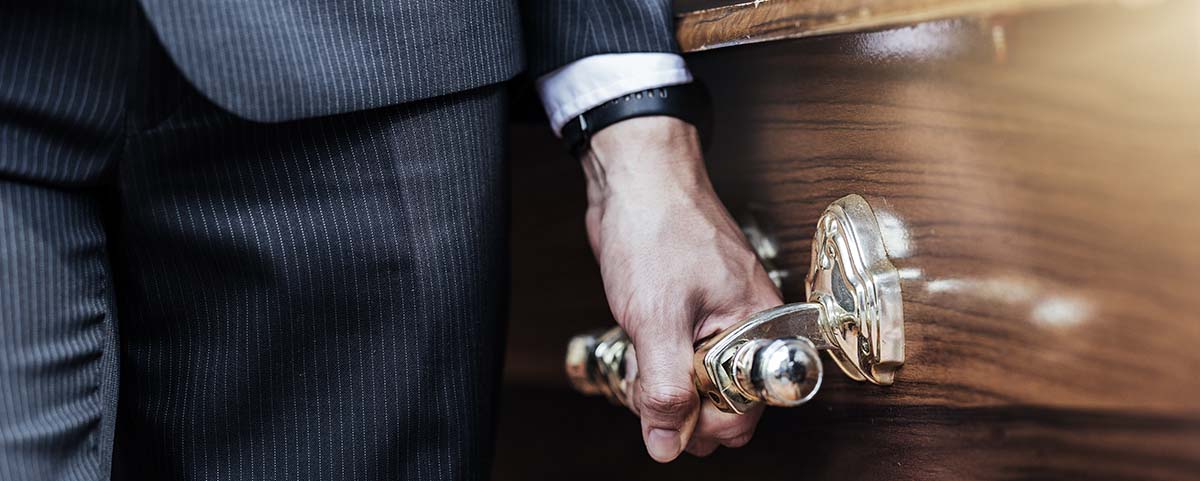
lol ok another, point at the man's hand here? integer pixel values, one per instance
(676, 269)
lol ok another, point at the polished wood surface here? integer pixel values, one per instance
(1045, 199)
(584, 440)
(708, 24)
(1040, 178)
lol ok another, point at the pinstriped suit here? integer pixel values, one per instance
(188, 292)
(304, 58)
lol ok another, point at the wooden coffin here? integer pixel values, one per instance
(1043, 161)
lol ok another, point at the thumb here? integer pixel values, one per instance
(665, 397)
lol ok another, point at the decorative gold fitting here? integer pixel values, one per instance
(602, 363)
(779, 372)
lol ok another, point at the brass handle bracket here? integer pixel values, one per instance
(852, 277)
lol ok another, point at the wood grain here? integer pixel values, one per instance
(704, 26)
(588, 439)
(1047, 202)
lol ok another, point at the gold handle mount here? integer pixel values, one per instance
(853, 312)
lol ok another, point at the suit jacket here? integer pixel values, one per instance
(276, 60)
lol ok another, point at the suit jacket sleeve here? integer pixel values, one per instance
(558, 32)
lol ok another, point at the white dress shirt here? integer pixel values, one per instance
(590, 81)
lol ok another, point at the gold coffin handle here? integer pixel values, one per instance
(853, 312)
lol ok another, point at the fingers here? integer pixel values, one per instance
(665, 397)
(715, 429)
(725, 429)
(701, 447)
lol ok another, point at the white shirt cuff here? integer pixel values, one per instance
(590, 81)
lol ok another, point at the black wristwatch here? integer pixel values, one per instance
(688, 102)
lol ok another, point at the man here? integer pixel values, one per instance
(266, 240)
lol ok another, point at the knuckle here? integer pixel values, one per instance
(671, 400)
(730, 427)
(702, 450)
(735, 435)
(737, 441)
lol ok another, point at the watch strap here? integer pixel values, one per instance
(688, 102)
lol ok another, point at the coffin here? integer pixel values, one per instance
(1042, 159)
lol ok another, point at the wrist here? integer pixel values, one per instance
(644, 155)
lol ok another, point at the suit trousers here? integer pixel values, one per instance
(185, 294)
